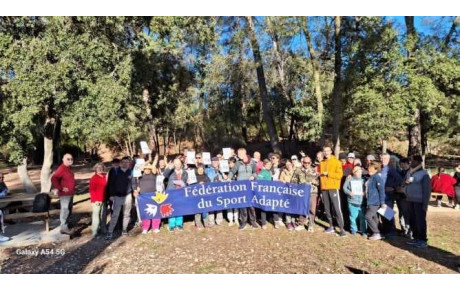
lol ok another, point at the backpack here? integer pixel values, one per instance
(41, 203)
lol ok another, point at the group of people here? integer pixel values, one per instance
(344, 190)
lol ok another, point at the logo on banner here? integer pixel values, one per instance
(160, 197)
(151, 209)
(166, 209)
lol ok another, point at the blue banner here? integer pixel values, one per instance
(201, 198)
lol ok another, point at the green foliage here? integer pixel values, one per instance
(89, 73)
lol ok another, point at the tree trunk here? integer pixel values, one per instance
(27, 183)
(452, 30)
(384, 146)
(281, 73)
(316, 73)
(263, 88)
(49, 133)
(336, 92)
(415, 132)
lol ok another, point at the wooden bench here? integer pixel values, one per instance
(44, 215)
(434, 194)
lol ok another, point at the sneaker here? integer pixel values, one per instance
(264, 227)
(342, 233)
(412, 242)
(124, 233)
(65, 230)
(144, 231)
(290, 226)
(230, 223)
(255, 226)
(439, 203)
(198, 227)
(171, 229)
(330, 230)
(243, 227)
(364, 234)
(421, 244)
(109, 236)
(180, 228)
(4, 238)
(457, 207)
(299, 227)
(276, 225)
(353, 233)
(375, 236)
(156, 230)
(310, 229)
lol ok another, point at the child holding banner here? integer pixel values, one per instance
(265, 175)
(177, 178)
(214, 175)
(147, 184)
(354, 189)
(201, 178)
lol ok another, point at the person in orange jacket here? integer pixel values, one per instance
(331, 173)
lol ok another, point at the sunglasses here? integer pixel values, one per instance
(69, 159)
(306, 163)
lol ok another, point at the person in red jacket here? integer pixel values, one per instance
(64, 181)
(443, 183)
(97, 187)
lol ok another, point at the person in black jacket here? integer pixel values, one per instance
(120, 185)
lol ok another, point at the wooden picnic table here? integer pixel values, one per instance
(20, 197)
(25, 197)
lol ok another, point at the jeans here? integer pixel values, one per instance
(418, 221)
(99, 217)
(126, 202)
(174, 222)
(356, 212)
(66, 210)
(372, 218)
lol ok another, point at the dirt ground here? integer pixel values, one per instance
(224, 249)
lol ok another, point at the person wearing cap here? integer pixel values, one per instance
(214, 175)
(295, 161)
(331, 174)
(418, 192)
(148, 184)
(306, 175)
(349, 164)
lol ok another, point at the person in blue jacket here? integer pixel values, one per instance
(375, 193)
